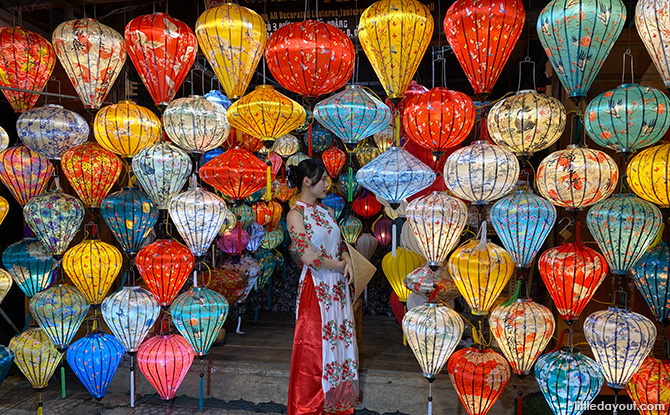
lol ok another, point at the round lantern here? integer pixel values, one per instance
(126, 128)
(526, 122)
(130, 313)
(232, 39)
(162, 170)
(650, 20)
(219, 97)
(523, 221)
(234, 241)
(431, 284)
(26, 62)
(628, 117)
(30, 264)
(164, 360)
(244, 214)
(647, 174)
(482, 35)
(24, 172)
(624, 227)
(650, 274)
(366, 244)
(36, 356)
(55, 218)
(237, 173)
(256, 233)
(295, 159)
(162, 50)
(130, 215)
(199, 314)
(577, 177)
(351, 228)
(59, 310)
(620, 340)
(321, 139)
(6, 360)
(649, 387)
(51, 130)
(366, 153)
(334, 159)
(6, 283)
(91, 171)
(366, 206)
(4, 139)
(95, 359)
(437, 221)
(272, 239)
(396, 268)
(381, 228)
(481, 172)
(229, 222)
(286, 145)
(164, 266)
(522, 330)
(335, 202)
(479, 377)
(268, 213)
(195, 124)
(394, 55)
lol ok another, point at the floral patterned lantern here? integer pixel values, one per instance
(6, 283)
(237, 173)
(396, 268)
(351, 228)
(126, 128)
(26, 62)
(577, 177)
(335, 202)
(234, 241)
(649, 387)
(199, 314)
(91, 171)
(162, 50)
(36, 356)
(493, 171)
(24, 172)
(256, 233)
(295, 159)
(366, 206)
(651, 20)
(4, 139)
(164, 360)
(6, 360)
(321, 139)
(244, 214)
(162, 170)
(165, 266)
(366, 153)
(334, 159)
(59, 310)
(286, 145)
(196, 124)
(130, 313)
(395, 56)
(51, 130)
(55, 218)
(430, 284)
(268, 213)
(95, 359)
(381, 228)
(650, 274)
(647, 174)
(482, 35)
(92, 55)
(130, 215)
(30, 264)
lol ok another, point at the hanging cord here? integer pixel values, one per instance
(527, 60)
(623, 69)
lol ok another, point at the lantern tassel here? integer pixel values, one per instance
(195, 278)
(63, 391)
(202, 386)
(519, 408)
(39, 403)
(430, 398)
(350, 187)
(268, 185)
(394, 243)
(309, 140)
(132, 380)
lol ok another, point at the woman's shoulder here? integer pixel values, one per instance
(297, 208)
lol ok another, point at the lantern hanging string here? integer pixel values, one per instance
(623, 69)
(527, 60)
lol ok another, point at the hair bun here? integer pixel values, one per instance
(291, 178)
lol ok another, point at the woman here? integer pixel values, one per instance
(324, 365)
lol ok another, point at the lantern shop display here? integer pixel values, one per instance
(59, 310)
(650, 274)
(94, 359)
(130, 313)
(126, 128)
(195, 124)
(91, 171)
(51, 130)
(24, 172)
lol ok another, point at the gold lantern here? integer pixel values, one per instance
(366, 154)
(4, 208)
(648, 172)
(396, 268)
(126, 128)
(36, 356)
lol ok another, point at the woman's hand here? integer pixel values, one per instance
(349, 273)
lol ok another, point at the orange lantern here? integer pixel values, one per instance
(649, 387)
(165, 266)
(333, 160)
(24, 172)
(281, 191)
(237, 173)
(267, 213)
(92, 171)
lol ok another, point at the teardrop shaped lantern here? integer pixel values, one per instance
(650, 385)
(55, 218)
(164, 266)
(196, 124)
(526, 123)
(36, 356)
(51, 130)
(59, 310)
(647, 174)
(162, 170)
(322, 139)
(199, 314)
(94, 359)
(6, 361)
(367, 245)
(237, 173)
(366, 206)
(219, 97)
(130, 215)
(334, 159)
(335, 202)
(232, 39)
(650, 274)
(92, 171)
(576, 177)
(381, 228)
(5, 283)
(624, 227)
(162, 50)
(481, 172)
(130, 313)
(396, 268)
(24, 172)
(26, 62)
(395, 55)
(30, 264)
(351, 228)
(523, 221)
(164, 360)
(92, 55)
(126, 128)
(620, 340)
(437, 221)
(522, 330)
(650, 21)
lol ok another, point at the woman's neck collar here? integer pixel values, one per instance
(308, 200)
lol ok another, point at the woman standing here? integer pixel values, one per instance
(324, 364)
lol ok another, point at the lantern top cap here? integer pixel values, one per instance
(52, 106)
(572, 146)
(127, 102)
(352, 86)
(197, 96)
(264, 88)
(527, 91)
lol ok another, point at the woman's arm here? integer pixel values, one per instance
(296, 228)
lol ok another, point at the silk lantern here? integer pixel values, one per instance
(381, 228)
(36, 356)
(92, 55)
(351, 228)
(219, 97)
(244, 214)
(162, 170)
(55, 218)
(333, 159)
(649, 387)
(211, 155)
(366, 206)
(576, 177)
(385, 138)
(130, 215)
(6, 283)
(4, 139)
(92, 171)
(237, 173)
(164, 266)
(130, 313)
(647, 174)
(650, 21)
(59, 310)
(335, 202)
(6, 360)
(481, 172)
(295, 159)
(286, 145)
(396, 268)
(162, 49)
(321, 139)
(30, 264)
(384, 32)
(164, 360)
(26, 62)
(650, 274)
(199, 314)
(195, 124)
(234, 241)
(624, 227)
(482, 35)
(4, 208)
(256, 233)
(126, 128)
(366, 153)
(408, 240)
(51, 130)
(432, 285)
(367, 245)
(24, 172)
(95, 359)
(232, 39)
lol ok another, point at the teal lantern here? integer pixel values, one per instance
(650, 274)
(59, 310)
(322, 139)
(95, 359)
(348, 185)
(268, 263)
(628, 117)
(130, 313)
(6, 360)
(130, 215)
(272, 239)
(335, 202)
(577, 36)
(55, 218)
(624, 227)
(30, 264)
(244, 213)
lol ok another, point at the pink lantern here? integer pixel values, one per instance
(230, 243)
(164, 360)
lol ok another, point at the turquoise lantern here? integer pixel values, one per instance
(95, 359)
(55, 218)
(523, 221)
(568, 380)
(30, 264)
(6, 360)
(624, 227)
(322, 139)
(130, 215)
(335, 202)
(650, 274)
(268, 263)
(130, 313)
(628, 117)
(348, 185)
(577, 36)
(59, 310)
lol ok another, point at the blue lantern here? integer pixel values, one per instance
(523, 221)
(322, 139)
(51, 130)
(30, 264)
(55, 218)
(210, 155)
(335, 202)
(94, 359)
(130, 215)
(218, 97)
(256, 234)
(6, 360)
(59, 310)
(130, 313)
(650, 274)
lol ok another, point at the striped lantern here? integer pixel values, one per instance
(164, 265)
(397, 267)
(91, 171)
(648, 172)
(6, 283)
(199, 314)
(6, 361)
(164, 360)
(94, 359)
(30, 264)
(126, 128)
(130, 313)
(650, 21)
(130, 215)
(51, 130)
(55, 218)
(650, 274)
(24, 172)
(162, 170)
(35, 356)
(649, 387)
(196, 124)
(59, 310)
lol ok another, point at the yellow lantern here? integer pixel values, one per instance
(366, 154)
(232, 38)
(4, 208)
(126, 128)
(35, 356)
(648, 173)
(394, 35)
(396, 269)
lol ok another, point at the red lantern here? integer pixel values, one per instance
(267, 213)
(310, 58)
(165, 266)
(26, 62)
(228, 283)
(237, 173)
(162, 50)
(483, 34)
(333, 160)
(164, 361)
(275, 162)
(413, 90)
(649, 387)
(382, 231)
(366, 205)
(251, 143)
(92, 171)
(24, 172)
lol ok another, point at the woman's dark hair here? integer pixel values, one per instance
(309, 168)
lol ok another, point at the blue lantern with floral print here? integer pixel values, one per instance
(95, 359)
(30, 264)
(51, 130)
(6, 360)
(199, 314)
(130, 215)
(55, 218)
(651, 275)
(256, 234)
(335, 202)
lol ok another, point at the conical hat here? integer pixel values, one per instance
(363, 270)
